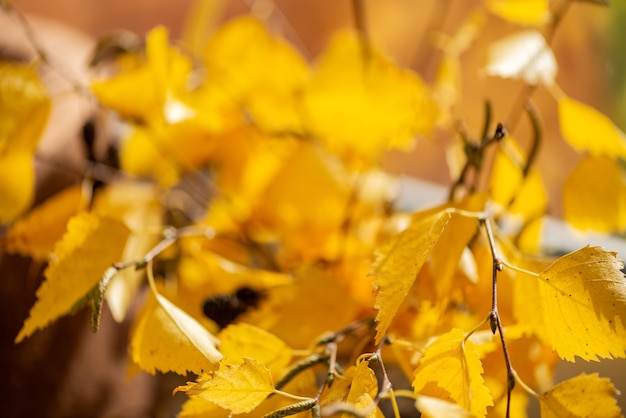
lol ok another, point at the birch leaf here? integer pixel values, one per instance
(90, 245)
(451, 371)
(239, 388)
(398, 263)
(586, 129)
(582, 298)
(594, 196)
(359, 104)
(245, 340)
(35, 234)
(166, 338)
(523, 55)
(582, 396)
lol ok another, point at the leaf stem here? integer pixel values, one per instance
(291, 395)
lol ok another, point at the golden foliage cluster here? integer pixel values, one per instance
(297, 264)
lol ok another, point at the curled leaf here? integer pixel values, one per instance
(523, 55)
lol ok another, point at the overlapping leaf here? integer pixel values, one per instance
(239, 388)
(35, 234)
(399, 261)
(451, 371)
(360, 104)
(90, 245)
(582, 396)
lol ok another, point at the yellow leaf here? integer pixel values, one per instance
(90, 245)
(594, 196)
(165, 338)
(359, 104)
(363, 389)
(586, 129)
(451, 370)
(447, 252)
(138, 206)
(582, 298)
(238, 388)
(17, 185)
(35, 234)
(24, 106)
(269, 72)
(313, 290)
(434, 408)
(523, 55)
(524, 12)
(398, 263)
(141, 93)
(141, 155)
(582, 396)
(245, 340)
(302, 224)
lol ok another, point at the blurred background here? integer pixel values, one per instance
(67, 371)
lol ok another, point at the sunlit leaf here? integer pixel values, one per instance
(360, 104)
(582, 396)
(17, 187)
(523, 55)
(183, 344)
(141, 92)
(270, 73)
(35, 234)
(244, 340)
(582, 298)
(586, 129)
(90, 245)
(525, 12)
(24, 106)
(398, 263)
(451, 371)
(239, 388)
(594, 195)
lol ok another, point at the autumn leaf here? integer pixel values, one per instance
(90, 245)
(525, 12)
(594, 195)
(523, 55)
(270, 73)
(137, 205)
(582, 396)
(36, 233)
(359, 104)
(399, 261)
(586, 129)
(239, 388)
(582, 299)
(25, 107)
(451, 370)
(363, 389)
(183, 344)
(244, 340)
